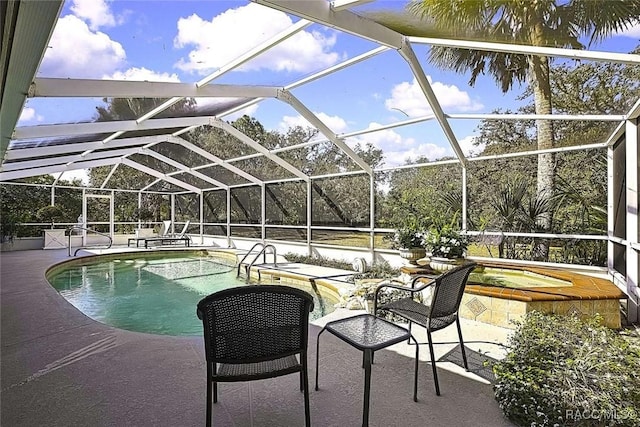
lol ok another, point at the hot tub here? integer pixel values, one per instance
(504, 293)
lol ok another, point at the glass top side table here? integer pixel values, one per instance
(368, 333)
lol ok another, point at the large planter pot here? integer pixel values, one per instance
(413, 254)
(445, 264)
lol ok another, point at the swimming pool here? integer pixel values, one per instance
(153, 293)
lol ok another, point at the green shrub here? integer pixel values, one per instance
(318, 260)
(378, 270)
(563, 371)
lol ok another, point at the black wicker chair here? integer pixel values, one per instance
(438, 313)
(255, 332)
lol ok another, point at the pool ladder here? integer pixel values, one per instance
(70, 231)
(263, 252)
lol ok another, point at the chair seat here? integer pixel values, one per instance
(259, 370)
(409, 309)
(419, 313)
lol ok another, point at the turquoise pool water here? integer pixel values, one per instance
(153, 294)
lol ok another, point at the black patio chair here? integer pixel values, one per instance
(438, 313)
(255, 332)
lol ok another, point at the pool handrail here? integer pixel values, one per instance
(262, 252)
(77, 227)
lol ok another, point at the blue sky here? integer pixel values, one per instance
(186, 40)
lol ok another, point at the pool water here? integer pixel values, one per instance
(156, 295)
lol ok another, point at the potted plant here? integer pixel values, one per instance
(50, 214)
(410, 241)
(447, 247)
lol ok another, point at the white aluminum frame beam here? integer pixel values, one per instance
(63, 160)
(326, 71)
(247, 56)
(346, 4)
(217, 161)
(324, 129)
(25, 31)
(93, 88)
(632, 181)
(623, 58)
(230, 66)
(25, 173)
(330, 70)
(409, 55)
(617, 133)
(54, 150)
(109, 175)
(259, 148)
(51, 131)
(634, 112)
(320, 11)
(160, 175)
(182, 167)
(556, 117)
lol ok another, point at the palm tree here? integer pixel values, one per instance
(543, 23)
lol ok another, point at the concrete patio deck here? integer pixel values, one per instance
(61, 368)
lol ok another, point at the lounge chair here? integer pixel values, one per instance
(165, 229)
(183, 233)
(171, 238)
(144, 234)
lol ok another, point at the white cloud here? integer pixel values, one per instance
(409, 99)
(396, 148)
(96, 12)
(29, 114)
(632, 32)
(76, 51)
(466, 144)
(428, 150)
(143, 74)
(385, 139)
(236, 31)
(335, 123)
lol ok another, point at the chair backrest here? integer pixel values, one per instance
(166, 227)
(449, 288)
(255, 323)
(184, 229)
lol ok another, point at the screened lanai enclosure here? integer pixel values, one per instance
(322, 127)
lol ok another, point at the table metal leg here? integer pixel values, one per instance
(318, 355)
(415, 375)
(367, 386)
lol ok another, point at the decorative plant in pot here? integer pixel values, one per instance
(447, 247)
(50, 214)
(410, 241)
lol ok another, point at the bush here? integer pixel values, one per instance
(50, 214)
(317, 260)
(378, 270)
(562, 371)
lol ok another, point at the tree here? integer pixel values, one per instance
(21, 203)
(133, 108)
(540, 23)
(580, 200)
